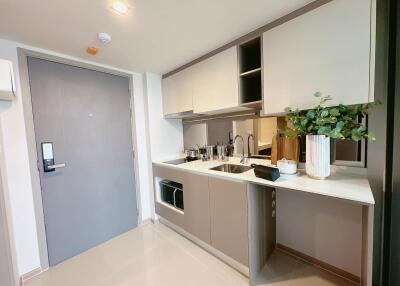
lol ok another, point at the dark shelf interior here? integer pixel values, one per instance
(250, 71)
(250, 55)
(250, 88)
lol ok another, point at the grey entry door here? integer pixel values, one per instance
(86, 116)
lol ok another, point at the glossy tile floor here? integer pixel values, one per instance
(155, 255)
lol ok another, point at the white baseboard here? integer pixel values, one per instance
(146, 221)
(29, 275)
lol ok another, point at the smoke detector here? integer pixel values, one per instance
(104, 38)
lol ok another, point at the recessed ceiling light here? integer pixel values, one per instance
(120, 7)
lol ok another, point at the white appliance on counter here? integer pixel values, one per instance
(7, 80)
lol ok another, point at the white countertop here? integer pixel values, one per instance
(347, 183)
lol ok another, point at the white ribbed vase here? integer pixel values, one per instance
(318, 156)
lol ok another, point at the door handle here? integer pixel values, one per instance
(56, 166)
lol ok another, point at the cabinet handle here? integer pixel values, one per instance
(174, 196)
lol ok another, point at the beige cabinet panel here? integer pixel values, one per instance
(163, 210)
(326, 50)
(168, 174)
(229, 218)
(196, 198)
(178, 92)
(215, 82)
(185, 90)
(170, 96)
(170, 214)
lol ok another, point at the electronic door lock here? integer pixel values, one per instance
(48, 158)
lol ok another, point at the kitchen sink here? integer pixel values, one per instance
(231, 168)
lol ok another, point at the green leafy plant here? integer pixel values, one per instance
(338, 122)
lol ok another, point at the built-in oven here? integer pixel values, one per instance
(172, 194)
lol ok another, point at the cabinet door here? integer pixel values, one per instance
(184, 84)
(170, 95)
(197, 206)
(215, 82)
(229, 225)
(177, 93)
(326, 50)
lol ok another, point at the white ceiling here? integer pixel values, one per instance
(156, 35)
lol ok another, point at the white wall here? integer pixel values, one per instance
(17, 173)
(165, 135)
(142, 144)
(17, 176)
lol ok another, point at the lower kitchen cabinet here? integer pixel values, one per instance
(215, 211)
(197, 206)
(163, 209)
(229, 218)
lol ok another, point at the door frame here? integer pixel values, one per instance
(23, 55)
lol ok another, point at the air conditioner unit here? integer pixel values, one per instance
(7, 80)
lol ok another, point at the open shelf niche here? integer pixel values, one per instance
(250, 73)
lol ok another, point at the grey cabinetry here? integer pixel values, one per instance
(197, 206)
(229, 218)
(215, 211)
(168, 174)
(162, 209)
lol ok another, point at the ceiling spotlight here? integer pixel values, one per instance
(120, 7)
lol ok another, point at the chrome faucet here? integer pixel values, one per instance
(248, 145)
(243, 159)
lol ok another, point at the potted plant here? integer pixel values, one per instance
(322, 123)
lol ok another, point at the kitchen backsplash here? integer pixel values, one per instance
(216, 131)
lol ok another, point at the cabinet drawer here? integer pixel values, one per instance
(167, 173)
(170, 214)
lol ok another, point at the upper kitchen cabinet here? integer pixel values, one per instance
(326, 50)
(7, 81)
(178, 94)
(215, 83)
(250, 69)
(208, 87)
